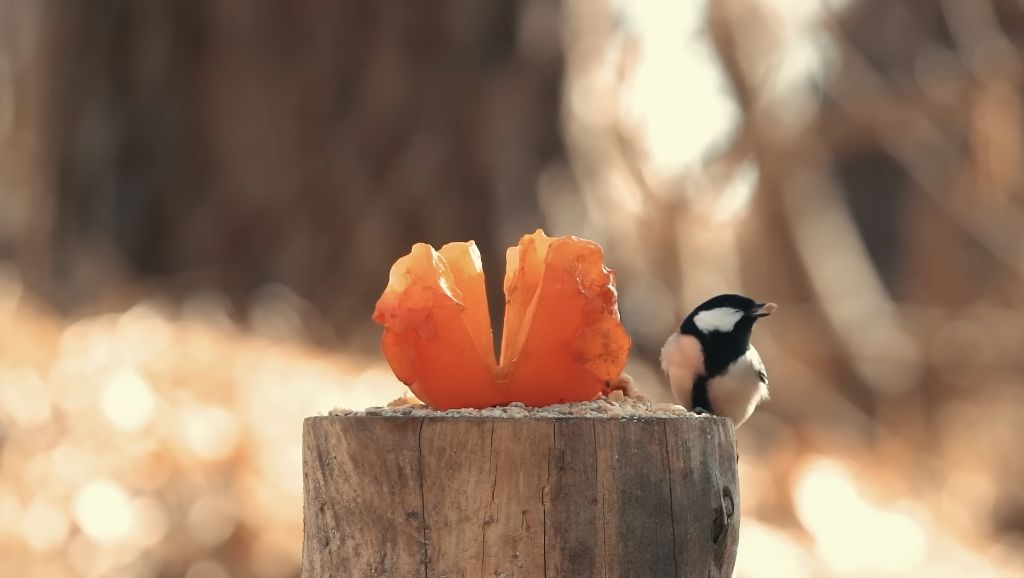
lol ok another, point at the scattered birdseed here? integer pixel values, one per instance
(617, 405)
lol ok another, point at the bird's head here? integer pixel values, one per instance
(725, 315)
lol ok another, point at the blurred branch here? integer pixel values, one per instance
(850, 290)
(925, 153)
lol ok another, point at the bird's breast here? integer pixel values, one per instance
(735, 392)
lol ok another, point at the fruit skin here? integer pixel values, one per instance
(432, 329)
(563, 340)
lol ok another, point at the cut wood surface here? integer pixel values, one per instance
(476, 497)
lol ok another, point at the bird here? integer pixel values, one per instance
(710, 363)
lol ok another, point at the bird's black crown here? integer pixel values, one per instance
(726, 300)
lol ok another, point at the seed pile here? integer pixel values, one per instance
(616, 405)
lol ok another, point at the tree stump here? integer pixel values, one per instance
(475, 497)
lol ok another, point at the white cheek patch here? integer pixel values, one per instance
(719, 319)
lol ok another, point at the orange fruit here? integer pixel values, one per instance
(562, 340)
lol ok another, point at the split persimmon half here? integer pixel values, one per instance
(562, 339)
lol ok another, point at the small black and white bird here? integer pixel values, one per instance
(710, 363)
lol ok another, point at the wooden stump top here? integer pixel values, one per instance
(474, 497)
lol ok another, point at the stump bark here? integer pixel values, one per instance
(475, 497)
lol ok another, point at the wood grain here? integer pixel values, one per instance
(473, 497)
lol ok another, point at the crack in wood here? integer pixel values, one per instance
(489, 517)
(601, 505)
(423, 500)
(671, 499)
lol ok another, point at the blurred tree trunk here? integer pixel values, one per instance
(234, 144)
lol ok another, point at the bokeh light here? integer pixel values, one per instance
(103, 510)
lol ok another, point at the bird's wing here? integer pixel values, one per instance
(758, 365)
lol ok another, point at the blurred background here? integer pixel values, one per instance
(200, 201)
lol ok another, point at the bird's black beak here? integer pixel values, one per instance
(762, 310)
